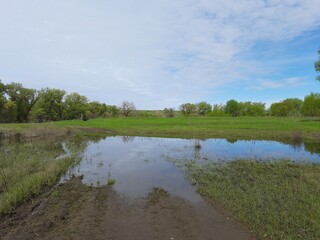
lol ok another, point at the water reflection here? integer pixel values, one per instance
(313, 148)
(140, 164)
(126, 139)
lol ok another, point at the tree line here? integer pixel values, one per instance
(310, 106)
(20, 104)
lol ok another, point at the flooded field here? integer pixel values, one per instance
(139, 164)
(134, 187)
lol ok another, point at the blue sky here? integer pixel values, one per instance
(163, 53)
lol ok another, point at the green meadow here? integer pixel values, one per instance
(225, 127)
(200, 127)
(276, 200)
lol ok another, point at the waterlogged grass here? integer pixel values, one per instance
(277, 200)
(242, 127)
(111, 182)
(26, 168)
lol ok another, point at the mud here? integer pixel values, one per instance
(75, 211)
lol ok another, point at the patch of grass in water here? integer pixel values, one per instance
(278, 200)
(111, 182)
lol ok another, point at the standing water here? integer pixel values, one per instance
(140, 164)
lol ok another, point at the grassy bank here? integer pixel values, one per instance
(223, 127)
(277, 200)
(243, 127)
(26, 168)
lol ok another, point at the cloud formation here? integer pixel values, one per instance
(155, 53)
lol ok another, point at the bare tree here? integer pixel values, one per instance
(127, 107)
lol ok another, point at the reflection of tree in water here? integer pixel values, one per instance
(232, 140)
(80, 144)
(297, 145)
(196, 149)
(76, 145)
(127, 139)
(297, 140)
(312, 147)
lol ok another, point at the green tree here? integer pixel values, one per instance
(252, 109)
(8, 112)
(24, 99)
(218, 110)
(317, 66)
(279, 109)
(75, 106)
(294, 105)
(232, 108)
(188, 109)
(203, 108)
(2, 89)
(311, 105)
(96, 109)
(168, 112)
(50, 106)
(287, 107)
(8, 109)
(3, 99)
(112, 111)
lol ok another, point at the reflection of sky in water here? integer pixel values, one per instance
(216, 149)
(140, 164)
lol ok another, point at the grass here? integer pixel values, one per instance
(27, 168)
(226, 127)
(277, 200)
(111, 181)
(267, 128)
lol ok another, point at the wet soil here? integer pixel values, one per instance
(75, 211)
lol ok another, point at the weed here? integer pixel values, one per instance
(111, 181)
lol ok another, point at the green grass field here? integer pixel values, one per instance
(228, 127)
(277, 200)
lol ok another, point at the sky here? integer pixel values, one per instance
(163, 53)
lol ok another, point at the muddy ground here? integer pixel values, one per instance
(75, 211)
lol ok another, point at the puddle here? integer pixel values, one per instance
(140, 164)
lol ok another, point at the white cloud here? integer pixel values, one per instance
(151, 52)
(263, 84)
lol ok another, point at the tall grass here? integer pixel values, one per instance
(278, 200)
(26, 168)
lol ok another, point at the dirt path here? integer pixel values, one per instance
(75, 211)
